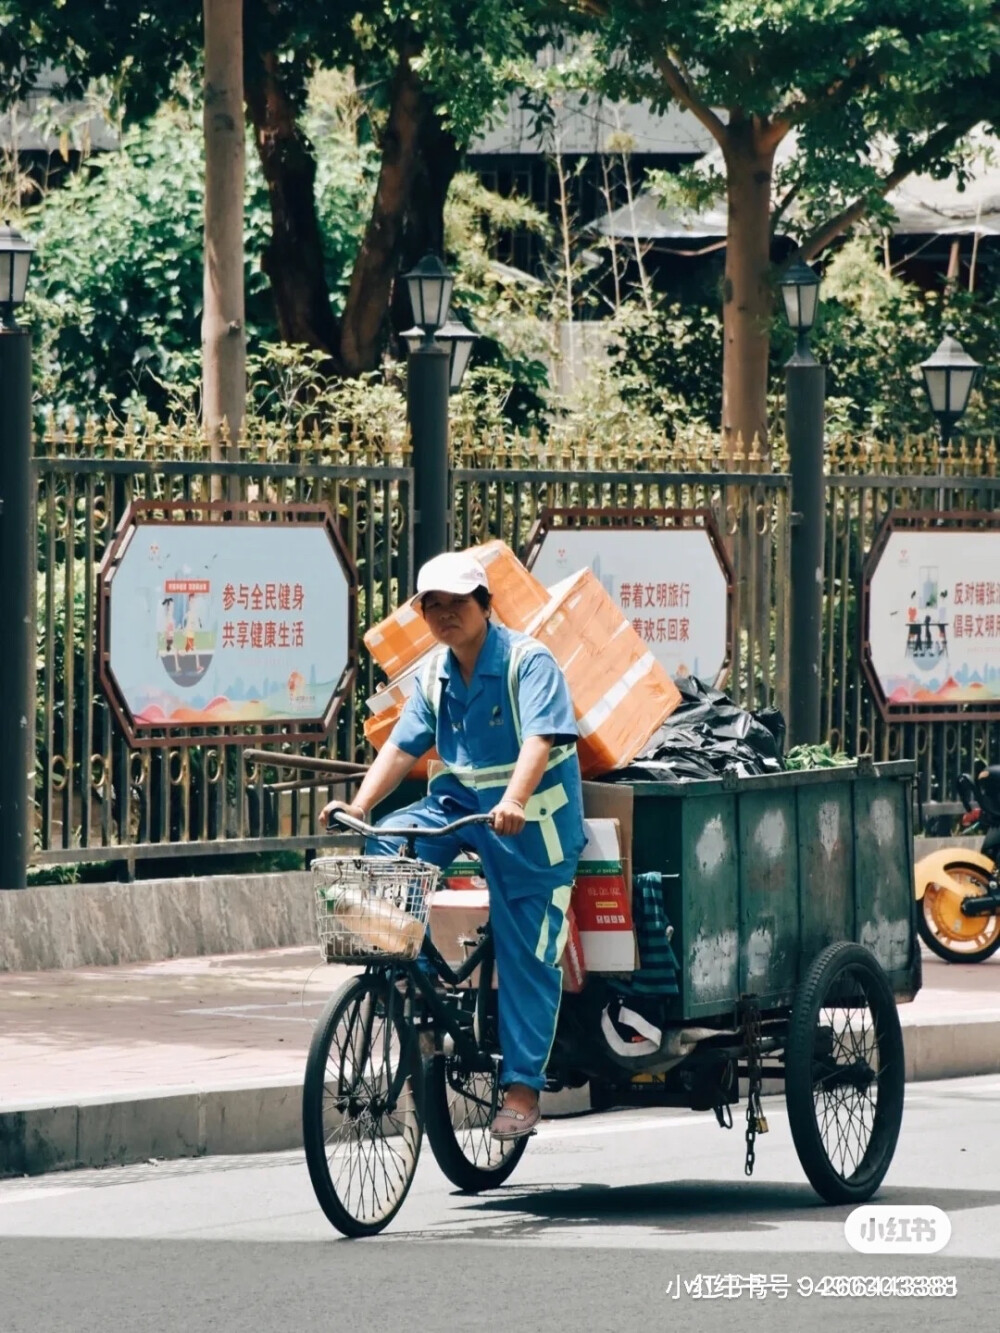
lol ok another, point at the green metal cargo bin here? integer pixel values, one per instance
(762, 873)
(791, 902)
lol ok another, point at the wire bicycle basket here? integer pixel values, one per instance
(372, 907)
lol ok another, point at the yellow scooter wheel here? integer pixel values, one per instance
(945, 928)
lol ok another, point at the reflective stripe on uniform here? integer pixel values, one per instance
(542, 807)
(498, 775)
(559, 903)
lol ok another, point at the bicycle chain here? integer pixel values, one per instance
(756, 1120)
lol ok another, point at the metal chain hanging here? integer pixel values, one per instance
(756, 1120)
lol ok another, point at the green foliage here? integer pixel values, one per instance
(875, 329)
(668, 360)
(116, 295)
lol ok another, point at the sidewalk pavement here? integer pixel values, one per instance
(108, 1065)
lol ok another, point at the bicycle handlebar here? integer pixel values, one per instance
(358, 826)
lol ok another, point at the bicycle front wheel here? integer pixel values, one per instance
(362, 1106)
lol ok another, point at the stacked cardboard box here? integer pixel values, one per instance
(601, 901)
(402, 638)
(463, 905)
(385, 707)
(599, 921)
(620, 692)
(517, 594)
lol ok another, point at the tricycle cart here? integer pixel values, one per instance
(791, 904)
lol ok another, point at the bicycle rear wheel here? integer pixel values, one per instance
(362, 1113)
(459, 1107)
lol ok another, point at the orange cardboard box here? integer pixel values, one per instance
(385, 707)
(620, 692)
(399, 640)
(517, 594)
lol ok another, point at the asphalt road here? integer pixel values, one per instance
(605, 1219)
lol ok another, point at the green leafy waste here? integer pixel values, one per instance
(816, 756)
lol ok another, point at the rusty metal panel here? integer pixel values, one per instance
(769, 891)
(708, 946)
(765, 872)
(826, 867)
(883, 871)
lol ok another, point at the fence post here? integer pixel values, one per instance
(427, 409)
(17, 558)
(805, 390)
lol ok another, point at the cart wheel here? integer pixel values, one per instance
(362, 1106)
(458, 1109)
(946, 930)
(844, 1074)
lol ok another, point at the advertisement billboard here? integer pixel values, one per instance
(209, 624)
(932, 615)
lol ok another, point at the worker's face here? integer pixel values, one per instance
(459, 621)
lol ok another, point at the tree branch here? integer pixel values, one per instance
(684, 94)
(939, 142)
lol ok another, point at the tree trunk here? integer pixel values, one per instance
(438, 159)
(746, 307)
(377, 261)
(223, 338)
(293, 260)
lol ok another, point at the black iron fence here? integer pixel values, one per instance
(99, 800)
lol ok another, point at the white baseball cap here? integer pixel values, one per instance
(456, 572)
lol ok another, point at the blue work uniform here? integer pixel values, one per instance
(517, 690)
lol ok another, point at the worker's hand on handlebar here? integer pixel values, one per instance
(355, 811)
(507, 818)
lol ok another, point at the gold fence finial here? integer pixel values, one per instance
(50, 437)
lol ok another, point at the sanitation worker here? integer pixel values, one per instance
(495, 705)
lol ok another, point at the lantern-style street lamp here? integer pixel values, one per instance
(949, 375)
(805, 395)
(17, 559)
(15, 261)
(800, 292)
(439, 349)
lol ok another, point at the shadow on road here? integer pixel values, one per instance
(684, 1206)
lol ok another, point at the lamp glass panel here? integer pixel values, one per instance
(808, 296)
(14, 266)
(430, 298)
(959, 390)
(791, 298)
(936, 380)
(461, 350)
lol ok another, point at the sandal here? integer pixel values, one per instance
(511, 1124)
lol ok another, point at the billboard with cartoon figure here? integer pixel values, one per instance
(932, 614)
(222, 624)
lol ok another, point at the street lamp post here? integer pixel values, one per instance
(805, 393)
(17, 550)
(439, 350)
(949, 375)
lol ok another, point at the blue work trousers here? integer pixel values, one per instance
(529, 933)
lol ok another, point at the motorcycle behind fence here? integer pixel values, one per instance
(958, 891)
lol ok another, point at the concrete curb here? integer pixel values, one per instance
(66, 926)
(36, 1138)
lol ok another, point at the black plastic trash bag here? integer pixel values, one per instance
(708, 735)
